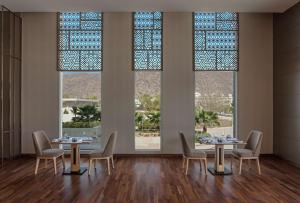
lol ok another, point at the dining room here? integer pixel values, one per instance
(139, 101)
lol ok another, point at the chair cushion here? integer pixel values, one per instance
(52, 152)
(243, 152)
(197, 154)
(96, 153)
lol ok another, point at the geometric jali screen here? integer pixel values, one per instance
(147, 41)
(80, 41)
(216, 41)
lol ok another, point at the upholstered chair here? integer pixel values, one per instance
(251, 150)
(104, 154)
(191, 154)
(45, 151)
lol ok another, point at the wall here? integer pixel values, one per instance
(177, 81)
(286, 84)
(255, 78)
(118, 80)
(40, 80)
(254, 105)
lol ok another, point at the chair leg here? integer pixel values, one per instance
(200, 164)
(90, 165)
(205, 165)
(241, 163)
(108, 166)
(112, 162)
(183, 161)
(231, 158)
(54, 163)
(258, 166)
(63, 161)
(249, 164)
(46, 163)
(36, 165)
(187, 166)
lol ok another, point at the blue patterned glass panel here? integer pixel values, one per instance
(147, 40)
(226, 60)
(80, 41)
(205, 60)
(221, 40)
(216, 41)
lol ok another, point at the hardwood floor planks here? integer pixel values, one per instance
(149, 179)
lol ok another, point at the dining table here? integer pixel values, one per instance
(219, 167)
(75, 142)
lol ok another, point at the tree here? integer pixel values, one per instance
(74, 110)
(149, 103)
(206, 118)
(86, 113)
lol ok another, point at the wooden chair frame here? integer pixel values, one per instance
(46, 159)
(186, 159)
(108, 159)
(246, 158)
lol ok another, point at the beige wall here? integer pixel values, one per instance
(255, 78)
(255, 104)
(177, 81)
(286, 84)
(118, 80)
(40, 80)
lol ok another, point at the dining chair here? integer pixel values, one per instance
(44, 150)
(251, 150)
(106, 154)
(191, 154)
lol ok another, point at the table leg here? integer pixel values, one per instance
(75, 162)
(219, 160)
(75, 158)
(219, 168)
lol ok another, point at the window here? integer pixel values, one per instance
(81, 106)
(80, 63)
(215, 63)
(147, 42)
(215, 41)
(80, 41)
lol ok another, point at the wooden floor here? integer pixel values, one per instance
(149, 179)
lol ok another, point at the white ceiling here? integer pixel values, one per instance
(137, 5)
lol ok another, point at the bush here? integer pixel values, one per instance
(200, 135)
(81, 124)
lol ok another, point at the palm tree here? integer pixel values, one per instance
(206, 118)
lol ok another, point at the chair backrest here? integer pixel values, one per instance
(185, 146)
(254, 142)
(41, 142)
(110, 145)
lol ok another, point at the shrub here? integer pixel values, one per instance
(81, 124)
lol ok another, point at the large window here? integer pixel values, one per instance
(147, 42)
(214, 106)
(81, 106)
(80, 63)
(215, 63)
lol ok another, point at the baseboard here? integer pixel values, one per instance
(287, 161)
(209, 155)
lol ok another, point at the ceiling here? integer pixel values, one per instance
(137, 5)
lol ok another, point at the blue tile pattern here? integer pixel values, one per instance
(147, 40)
(80, 41)
(216, 41)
